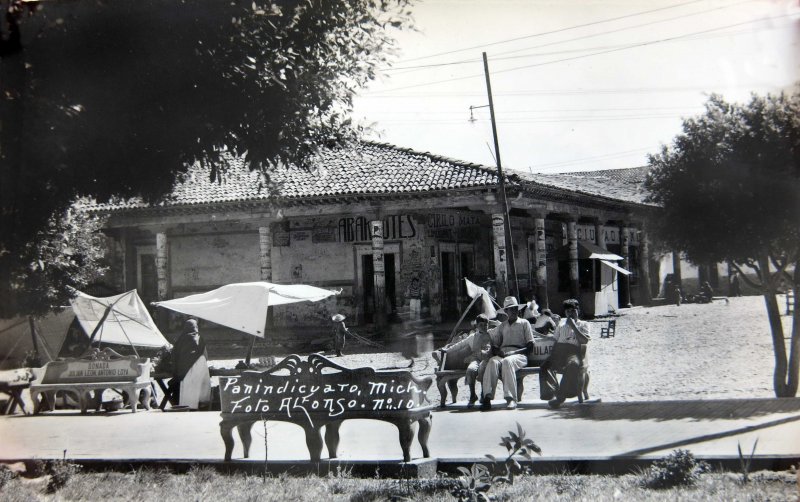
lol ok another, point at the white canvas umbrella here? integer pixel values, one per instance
(243, 306)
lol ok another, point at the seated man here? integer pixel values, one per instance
(468, 352)
(545, 323)
(565, 358)
(513, 342)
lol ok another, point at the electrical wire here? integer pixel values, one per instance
(560, 30)
(545, 63)
(499, 55)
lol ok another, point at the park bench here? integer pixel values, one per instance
(450, 369)
(12, 383)
(88, 376)
(316, 393)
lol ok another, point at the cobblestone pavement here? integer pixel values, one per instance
(710, 351)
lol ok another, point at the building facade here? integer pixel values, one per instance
(386, 226)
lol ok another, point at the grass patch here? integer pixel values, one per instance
(201, 483)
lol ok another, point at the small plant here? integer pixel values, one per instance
(476, 482)
(515, 444)
(679, 468)
(6, 475)
(746, 463)
(60, 472)
(473, 484)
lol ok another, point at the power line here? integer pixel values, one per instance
(560, 30)
(498, 56)
(632, 46)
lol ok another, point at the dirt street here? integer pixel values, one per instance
(710, 351)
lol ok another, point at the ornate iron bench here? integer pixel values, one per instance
(318, 393)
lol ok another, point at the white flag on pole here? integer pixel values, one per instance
(474, 290)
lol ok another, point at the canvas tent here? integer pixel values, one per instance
(120, 320)
(127, 327)
(243, 306)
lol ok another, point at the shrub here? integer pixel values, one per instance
(6, 475)
(60, 473)
(679, 468)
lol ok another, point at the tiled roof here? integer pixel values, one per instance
(368, 169)
(620, 184)
(375, 169)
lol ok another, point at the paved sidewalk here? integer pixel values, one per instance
(594, 432)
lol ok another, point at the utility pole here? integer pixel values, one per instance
(512, 269)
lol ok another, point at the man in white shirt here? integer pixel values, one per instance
(513, 343)
(565, 358)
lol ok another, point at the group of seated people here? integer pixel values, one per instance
(496, 353)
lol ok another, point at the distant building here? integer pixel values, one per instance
(370, 219)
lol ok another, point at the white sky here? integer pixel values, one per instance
(589, 111)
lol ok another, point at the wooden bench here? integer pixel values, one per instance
(12, 383)
(92, 374)
(447, 377)
(318, 393)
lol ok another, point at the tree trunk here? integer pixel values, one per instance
(794, 344)
(773, 314)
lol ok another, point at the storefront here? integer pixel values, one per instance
(408, 226)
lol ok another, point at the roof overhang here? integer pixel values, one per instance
(595, 252)
(616, 267)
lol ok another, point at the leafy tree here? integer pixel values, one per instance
(116, 98)
(729, 186)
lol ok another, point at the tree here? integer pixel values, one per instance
(118, 98)
(729, 188)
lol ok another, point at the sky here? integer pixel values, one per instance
(576, 85)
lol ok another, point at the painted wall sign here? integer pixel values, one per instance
(280, 238)
(451, 220)
(586, 233)
(356, 229)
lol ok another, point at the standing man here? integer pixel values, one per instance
(515, 343)
(414, 294)
(340, 333)
(565, 358)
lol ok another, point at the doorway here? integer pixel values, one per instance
(368, 287)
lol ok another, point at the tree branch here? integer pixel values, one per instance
(744, 277)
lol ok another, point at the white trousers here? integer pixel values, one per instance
(505, 368)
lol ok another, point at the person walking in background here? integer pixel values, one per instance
(735, 285)
(190, 368)
(414, 295)
(340, 333)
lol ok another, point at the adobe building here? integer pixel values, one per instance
(381, 223)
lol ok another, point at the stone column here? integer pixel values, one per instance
(600, 235)
(572, 246)
(624, 281)
(644, 268)
(162, 265)
(379, 277)
(500, 258)
(265, 252)
(540, 259)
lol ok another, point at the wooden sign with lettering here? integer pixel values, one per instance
(100, 366)
(299, 390)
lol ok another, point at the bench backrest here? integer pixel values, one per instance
(98, 366)
(300, 390)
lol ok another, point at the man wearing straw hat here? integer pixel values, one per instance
(339, 333)
(516, 342)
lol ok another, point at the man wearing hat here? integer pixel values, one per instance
(515, 343)
(339, 333)
(565, 358)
